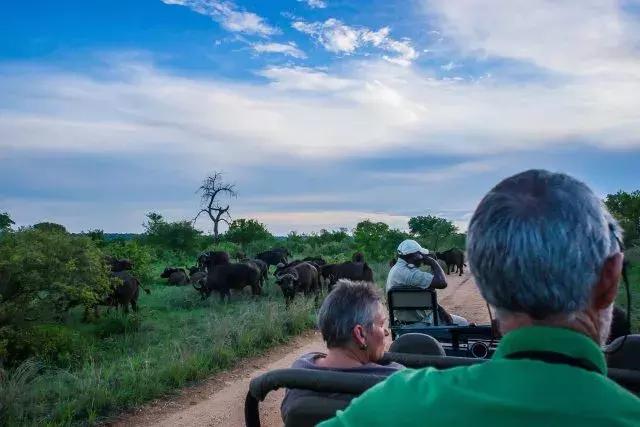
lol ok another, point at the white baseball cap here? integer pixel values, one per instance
(410, 247)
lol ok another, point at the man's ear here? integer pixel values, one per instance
(606, 290)
(358, 335)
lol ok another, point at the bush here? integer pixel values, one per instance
(52, 343)
(141, 255)
(43, 274)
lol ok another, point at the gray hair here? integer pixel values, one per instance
(537, 243)
(347, 305)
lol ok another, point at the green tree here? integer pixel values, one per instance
(5, 221)
(50, 227)
(432, 230)
(625, 207)
(176, 236)
(377, 240)
(245, 231)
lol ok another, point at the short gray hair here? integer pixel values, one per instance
(537, 243)
(347, 305)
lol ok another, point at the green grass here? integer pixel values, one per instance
(175, 339)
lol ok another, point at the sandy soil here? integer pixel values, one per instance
(219, 401)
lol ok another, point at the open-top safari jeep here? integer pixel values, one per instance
(414, 346)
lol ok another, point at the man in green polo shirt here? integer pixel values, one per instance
(545, 253)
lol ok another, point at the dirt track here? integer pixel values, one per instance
(220, 400)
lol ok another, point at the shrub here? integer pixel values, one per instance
(141, 255)
(43, 274)
(52, 343)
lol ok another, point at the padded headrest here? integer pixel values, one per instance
(624, 354)
(415, 343)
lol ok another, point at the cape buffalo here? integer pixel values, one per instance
(197, 275)
(358, 257)
(453, 257)
(316, 260)
(117, 265)
(126, 292)
(357, 271)
(302, 277)
(225, 277)
(274, 256)
(261, 266)
(175, 276)
(208, 260)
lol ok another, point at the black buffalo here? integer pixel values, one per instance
(118, 264)
(316, 260)
(126, 291)
(452, 257)
(359, 271)
(274, 256)
(357, 257)
(225, 277)
(176, 276)
(261, 266)
(208, 260)
(301, 277)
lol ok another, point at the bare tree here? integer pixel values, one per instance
(212, 188)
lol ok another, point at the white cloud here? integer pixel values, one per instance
(315, 4)
(337, 37)
(304, 79)
(229, 16)
(287, 49)
(579, 38)
(302, 111)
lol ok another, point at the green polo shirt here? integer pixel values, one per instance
(502, 391)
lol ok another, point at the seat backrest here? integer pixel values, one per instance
(624, 353)
(311, 410)
(410, 297)
(414, 343)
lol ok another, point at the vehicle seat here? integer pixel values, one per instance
(624, 354)
(414, 343)
(311, 410)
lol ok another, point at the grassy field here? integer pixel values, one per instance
(123, 361)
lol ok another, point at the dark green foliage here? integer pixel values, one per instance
(5, 221)
(43, 274)
(245, 231)
(50, 227)
(97, 236)
(376, 240)
(625, 207)
(432, 230)
(141, 255)
(174, 236)
(53, 343)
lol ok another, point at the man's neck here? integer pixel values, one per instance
(341, 358)
(585, 323)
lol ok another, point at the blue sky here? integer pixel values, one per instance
(323, 112)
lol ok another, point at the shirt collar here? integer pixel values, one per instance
(558, 340)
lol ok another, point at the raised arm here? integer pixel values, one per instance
(439, 279)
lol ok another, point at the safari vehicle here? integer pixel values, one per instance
(438, 346)
(478, 341)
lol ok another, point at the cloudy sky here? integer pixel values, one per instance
(322, 112)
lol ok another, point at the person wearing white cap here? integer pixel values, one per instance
(406, 272)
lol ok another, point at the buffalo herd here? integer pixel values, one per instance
(215, 271)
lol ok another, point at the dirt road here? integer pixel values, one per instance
(220, 400)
